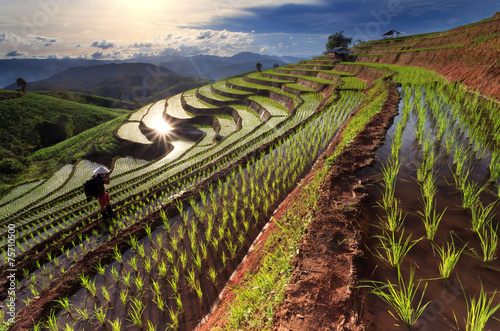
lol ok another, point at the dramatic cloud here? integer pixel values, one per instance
(216, 27)
(102, 44)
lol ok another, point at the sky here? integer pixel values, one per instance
(124, 29)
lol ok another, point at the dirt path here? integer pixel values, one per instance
(320, 294)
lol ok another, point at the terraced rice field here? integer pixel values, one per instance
(185, 220)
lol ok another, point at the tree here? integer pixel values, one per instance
(21, 82)
(258, 66)
(338, 40)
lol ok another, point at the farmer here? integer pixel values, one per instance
(101, 177)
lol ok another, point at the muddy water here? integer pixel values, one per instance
(447, 309)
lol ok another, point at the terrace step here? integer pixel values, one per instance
(322, 62)
(206, 95)
(221, 89)
(265, 81)
(240, 84)
(311, 67)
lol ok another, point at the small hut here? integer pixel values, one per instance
(339, 53)
(391, 33)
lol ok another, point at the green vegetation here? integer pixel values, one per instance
(90, 99)
(33, 121)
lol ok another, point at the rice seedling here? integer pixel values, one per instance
(449, 257)
(495, 166)
(162, 269)
(105, 294)
(147, 265)
(124, 298)
(212, 275)
(116, 325)
(429, 215)
(479, 310)
(199, 291)
(139, 283)
(137, 309)
(400, 297)
(100, 314)
(134, 263)
(392, 250)
(489, 242)
(470, 194)
(64, 304)
(126, 278)
(82, 313)
(151, 327)
(394, 218)
(183, 258)
(175, 273)
(140, 249)
(68, 327)
(174, 317)
(51, 323)
(100, 268)
(481, 215)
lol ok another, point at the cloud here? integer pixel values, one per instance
(206, 35)
(45, 39)
(102, 44)
(143, 45)
(13, 53)
(12, 38)
(451, 20)
(98, 55)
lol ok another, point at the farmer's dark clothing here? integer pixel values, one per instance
(102, 195)
(100, 181)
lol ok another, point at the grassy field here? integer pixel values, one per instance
(31, 122)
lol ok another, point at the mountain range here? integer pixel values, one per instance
(79, 74)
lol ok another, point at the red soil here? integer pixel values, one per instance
(475, 63)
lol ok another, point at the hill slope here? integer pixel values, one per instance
(467, 53)
(126, 81)
(32, 121)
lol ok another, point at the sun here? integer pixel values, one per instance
(162, 127)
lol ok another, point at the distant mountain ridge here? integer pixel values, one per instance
(123, 81)
(215, 67)
(201, 66)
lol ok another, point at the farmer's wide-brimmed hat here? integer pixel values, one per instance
(101, 170)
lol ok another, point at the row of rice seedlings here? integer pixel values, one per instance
(40, 192)
(155, 165)
(430, 217)
(482, 214)
(254, 189)
(36, 280)
(353, 83)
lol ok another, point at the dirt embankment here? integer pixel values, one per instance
(320, 295)
(469, 54)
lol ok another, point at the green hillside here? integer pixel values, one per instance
(32, 121)
(91, 99)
